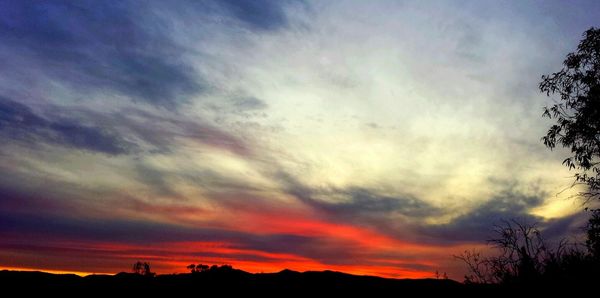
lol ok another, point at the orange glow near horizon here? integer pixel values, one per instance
(367, 251)
(80, 273)
(258, 267)
(175, 256)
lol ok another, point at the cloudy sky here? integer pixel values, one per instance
(371, 137)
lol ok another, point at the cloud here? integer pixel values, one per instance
(117, 133)
(261, 14)
(248, 103)
(125, 49)
(138, 232)
(163, 131)
(98, 47)
(282, 232)
(569, 227)
(408, 217)
(360, 201)
(476, 225)
(157, 180)
(356, 203)
(19, 122)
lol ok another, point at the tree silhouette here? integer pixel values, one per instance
(523, 258)
(191, 267)
(142, 269)
(577, 114)
(197, 268)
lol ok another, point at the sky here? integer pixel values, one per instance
(370, 137)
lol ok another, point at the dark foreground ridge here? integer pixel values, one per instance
(232, 281)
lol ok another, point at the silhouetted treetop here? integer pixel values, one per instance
(142, 269)
(197, 268)
(577, 113)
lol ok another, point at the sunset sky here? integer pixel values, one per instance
(370, 137)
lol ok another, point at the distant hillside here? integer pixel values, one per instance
(285, 283)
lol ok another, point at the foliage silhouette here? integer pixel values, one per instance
(593, 235)
(200, 268)
(142, 269)
(524, 259)
(577, 114)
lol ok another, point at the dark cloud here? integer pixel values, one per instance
(478, 223)
(122, 48)
(398, 217)
(363, 201)
(19, 122)
(14, 198)
(359, 205)
(162, 132)
(123, 132)
(126, 132)
(29, 213)
(99, 46)
(572, 225)
(25, 228)
(403, 217)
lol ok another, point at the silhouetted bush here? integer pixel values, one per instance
(593, 235)
(524, 258)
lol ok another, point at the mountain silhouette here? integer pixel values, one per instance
(227, 282)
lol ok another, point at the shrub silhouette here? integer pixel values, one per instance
(593, 235)
(522, 253)
(525, 259)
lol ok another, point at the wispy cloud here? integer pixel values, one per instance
(19, 123)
